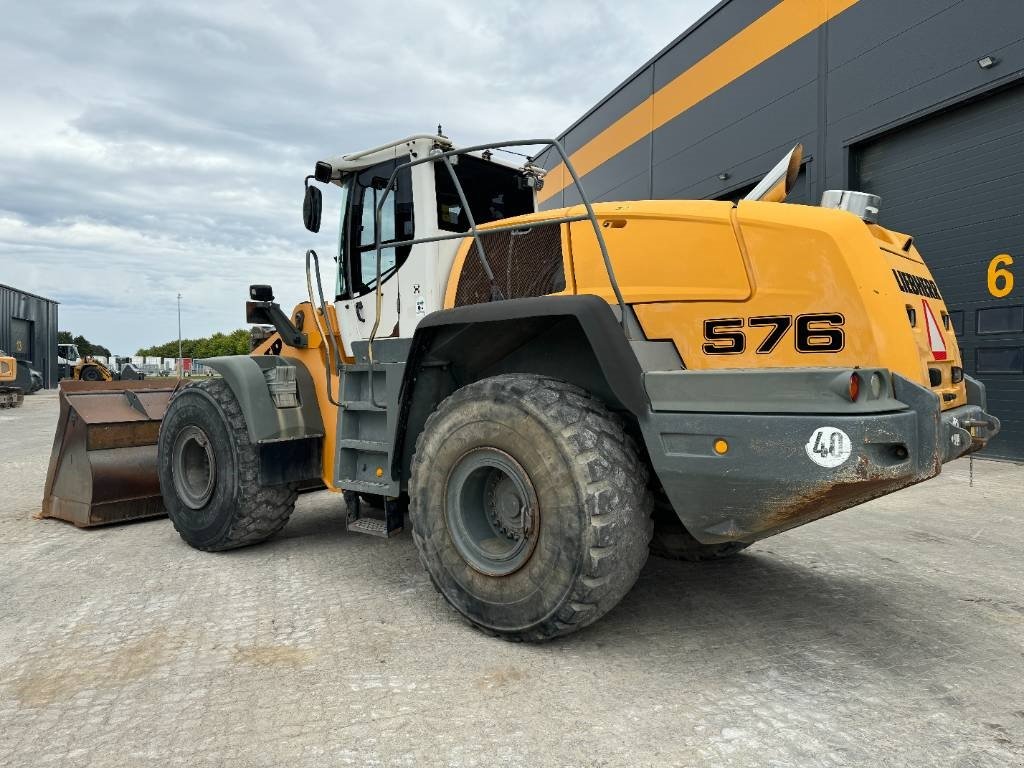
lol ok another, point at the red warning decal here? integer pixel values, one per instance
(935, 340)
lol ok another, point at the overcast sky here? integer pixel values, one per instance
(148, 148)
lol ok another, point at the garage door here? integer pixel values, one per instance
(21, 339)
(955, 181)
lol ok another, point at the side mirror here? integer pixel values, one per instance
(780, 180)
(312, 206)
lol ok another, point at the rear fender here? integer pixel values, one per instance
(574, 338)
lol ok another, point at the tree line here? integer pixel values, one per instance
(85, 347)
(234, 343)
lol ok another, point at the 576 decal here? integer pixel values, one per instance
(811, 333)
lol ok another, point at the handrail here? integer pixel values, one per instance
(333, 353)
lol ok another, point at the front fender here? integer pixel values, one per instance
(265, 421)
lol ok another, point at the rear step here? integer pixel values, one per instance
(368, 446)
(360, 520)
(371, 526)
(362, 405)
(365, 486)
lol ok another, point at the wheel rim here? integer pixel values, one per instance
(194, 468)
(491, 511)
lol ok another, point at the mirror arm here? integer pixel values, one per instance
(270, 313)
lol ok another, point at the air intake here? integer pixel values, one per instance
(860, 204)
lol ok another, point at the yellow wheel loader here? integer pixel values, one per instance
(11, 395)
(74, 366)
(545, 396)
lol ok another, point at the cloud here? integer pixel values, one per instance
(152, 148)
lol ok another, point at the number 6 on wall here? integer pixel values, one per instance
(1000, 279)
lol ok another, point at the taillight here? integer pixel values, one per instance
(934, 377)
(956, 374)
(912, 316)
(854, 387)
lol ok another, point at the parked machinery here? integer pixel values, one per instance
(74, 366)
(11, 395)
(550, 390)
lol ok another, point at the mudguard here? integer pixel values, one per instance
(574, 338)
(482, 335)
(248, 378)
(290, 437)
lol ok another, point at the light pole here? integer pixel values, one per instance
(179, 336)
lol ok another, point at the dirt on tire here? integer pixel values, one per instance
(240, 511)
(595, 506)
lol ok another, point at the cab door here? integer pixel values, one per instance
(357, 300)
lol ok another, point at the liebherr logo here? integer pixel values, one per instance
(919, 286)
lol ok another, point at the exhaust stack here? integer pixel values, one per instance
(780, 180)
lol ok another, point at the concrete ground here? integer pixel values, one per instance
(889, 635)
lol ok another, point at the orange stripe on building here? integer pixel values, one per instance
(776, 30)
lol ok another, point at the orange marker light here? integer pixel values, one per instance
(721, 447)
(854, 387)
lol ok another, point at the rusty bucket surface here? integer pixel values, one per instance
(103, 465)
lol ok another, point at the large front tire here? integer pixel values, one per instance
(529, 506)
(209, 472)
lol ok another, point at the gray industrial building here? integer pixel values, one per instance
(28, 332)
(918, 101)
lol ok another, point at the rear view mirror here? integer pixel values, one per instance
(311, 208)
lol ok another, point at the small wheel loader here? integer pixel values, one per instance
(546, 396)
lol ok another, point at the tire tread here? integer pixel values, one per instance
(614, 481)
(268, 508)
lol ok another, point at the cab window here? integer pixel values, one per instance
(365, 191)
(493, 191)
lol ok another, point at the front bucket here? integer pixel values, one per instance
(103, 464)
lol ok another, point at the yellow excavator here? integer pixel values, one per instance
(11, 395)
(546, 396)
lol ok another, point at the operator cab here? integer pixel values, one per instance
(423, 203)
(68, 354)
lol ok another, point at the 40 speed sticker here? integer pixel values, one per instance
(829, 447)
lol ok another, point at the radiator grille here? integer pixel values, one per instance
(525, 262)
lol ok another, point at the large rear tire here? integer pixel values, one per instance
(529, 506)
(209, 472)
